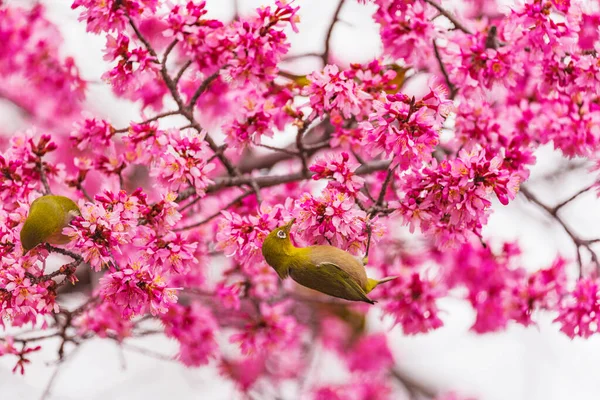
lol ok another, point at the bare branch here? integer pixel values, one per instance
(182, 70)
(155, 118)
(201, 89)
(216, 214)
(40, 167)
(411, 384)
(577, 241)
(447, 14)
(336, 14)
(183, 109)
(449, 83)
(570, 199)
(168, 50)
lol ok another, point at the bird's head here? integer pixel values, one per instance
(277, 243)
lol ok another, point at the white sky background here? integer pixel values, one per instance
(519, 364)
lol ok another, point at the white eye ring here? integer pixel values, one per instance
(281, 234)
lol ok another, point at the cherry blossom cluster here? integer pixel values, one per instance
(30, 57)
(451, 200)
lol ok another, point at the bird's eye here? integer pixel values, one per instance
(281, 234)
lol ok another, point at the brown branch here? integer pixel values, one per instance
(155, 118)
(378, 207)
(336, 14)
(168, 50)
(297, 56)
(382, 193)
(447, 14)
(183, 110)
(40, 167)
(449, 83)
(411, 384)
(182, 70)
(279, 149)
(216, 214)
(274, 180)
(577, 241)
(301, 150)
(64, 252)
(310, 141)
(570, 199)
(202, 88)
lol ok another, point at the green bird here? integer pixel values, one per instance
(326, 269)
(47, 217)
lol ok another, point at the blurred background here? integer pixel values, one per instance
(536, 363)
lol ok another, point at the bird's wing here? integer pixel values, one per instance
(328, 278)
(342, 259)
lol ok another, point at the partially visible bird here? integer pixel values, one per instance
(327, 269)
(47, 217)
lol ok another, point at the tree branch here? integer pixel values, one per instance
(449, 83)
(579, 242)
(336, 14)
(183, 110)
(447, 14)
(202, 88)
(216, 214)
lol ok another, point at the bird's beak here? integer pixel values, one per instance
(288, 226)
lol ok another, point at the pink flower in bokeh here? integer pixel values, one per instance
(272, 332)
(370, 354)
(579, 312)
(412, 301)
(195, 328)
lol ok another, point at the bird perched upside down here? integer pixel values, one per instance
(47, 217)
(326, 269)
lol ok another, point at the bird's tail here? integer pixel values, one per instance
(373, 283)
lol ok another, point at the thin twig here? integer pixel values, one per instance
(386, 183)
(286, 151)
(447, 14)
(84, 192)
(190, 204)
(449, 83)
(577, 241)
(202, 88)
(155, 118)
(570, 199)
(216, 214)
(182, 70)
(411, 384)
(183, 109)
(52, 380)
(256, 190)
(274, 180)
(377, 208)
(297, 56)
(336, 14)
(301, 150)
(147, 352)
(168, 50)
(40, 166)
(64, 252)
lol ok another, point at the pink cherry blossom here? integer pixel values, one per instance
(578, 313)
(194, 328)
(273, 331)
(135, 289)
